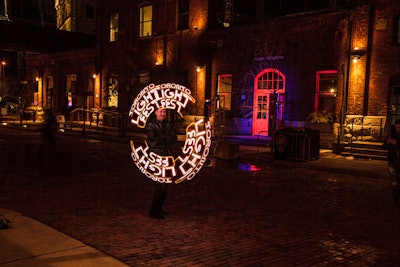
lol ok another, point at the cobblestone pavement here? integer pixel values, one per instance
(278, 216)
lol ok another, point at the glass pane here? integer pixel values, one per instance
(146, 29)
(398, 31)
(147, 13)
(327, 82)
(146, 17)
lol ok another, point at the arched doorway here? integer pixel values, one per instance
(269, 89)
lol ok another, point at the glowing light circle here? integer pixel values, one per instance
(167, 169)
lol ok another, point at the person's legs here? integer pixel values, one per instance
(159, 195)
(394, 176)
(397, 188)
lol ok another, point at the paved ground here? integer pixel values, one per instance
(282, 215)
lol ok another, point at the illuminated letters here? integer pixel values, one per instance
(167, 169)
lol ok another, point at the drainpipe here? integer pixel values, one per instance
(346, 72)
(165, 37)
(368, 56)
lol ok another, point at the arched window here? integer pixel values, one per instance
(270, 79)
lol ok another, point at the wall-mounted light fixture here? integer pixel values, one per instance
(355, 59)
(198, 68)
(356, 54)
(195, 27)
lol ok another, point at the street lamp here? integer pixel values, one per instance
(86, 105)
(3, 67)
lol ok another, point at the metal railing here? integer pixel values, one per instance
(292, 145)
(354, 127)
(263, 144)
(98, 120)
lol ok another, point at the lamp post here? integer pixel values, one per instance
(87, 91)
(2, 80)
(3, 68)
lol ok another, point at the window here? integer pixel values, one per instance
(396, 33)
(146, 17)
(114, 27)
(183, 14)
(71, 90)
(395, 103)
(3, 10)
(89, 12)
(271, 80)
(224, 91)
(112, 91)
(262, 103)
(325, 92)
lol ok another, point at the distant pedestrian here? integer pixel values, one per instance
(392, 144)
(160, 134)
(47, 130)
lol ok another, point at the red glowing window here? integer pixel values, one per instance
(271, 80)
(325, 90)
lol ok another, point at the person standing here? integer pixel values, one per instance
(160, 134)
(392, 144)
(47, 131)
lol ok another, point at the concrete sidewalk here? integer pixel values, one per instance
(29, 243)
(327, 161)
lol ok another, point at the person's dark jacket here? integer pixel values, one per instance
(393, 150)
(160, 135)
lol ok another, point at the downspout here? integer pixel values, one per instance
(346, 73)
(101, 53)
(165, 38)
(368, 55)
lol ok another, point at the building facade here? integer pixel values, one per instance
(261, 66)
(29, 29)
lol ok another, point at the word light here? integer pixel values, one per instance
(167, 169)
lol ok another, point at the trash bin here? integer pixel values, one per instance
(296, 144)
(314, 138)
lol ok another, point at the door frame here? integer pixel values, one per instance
(269, 81)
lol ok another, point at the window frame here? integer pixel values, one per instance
(183, 15)
(275, 80)
(319, 93)
(90, 11)
(114, 25)
(396, 30)
(221, 91)
(144, 22)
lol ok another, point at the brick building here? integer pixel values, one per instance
(29, 28)
(263, 66)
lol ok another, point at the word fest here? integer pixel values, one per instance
(167, 169)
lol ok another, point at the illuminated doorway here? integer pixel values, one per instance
(269, 89)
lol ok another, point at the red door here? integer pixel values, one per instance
(269, 86)
(260, 113)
